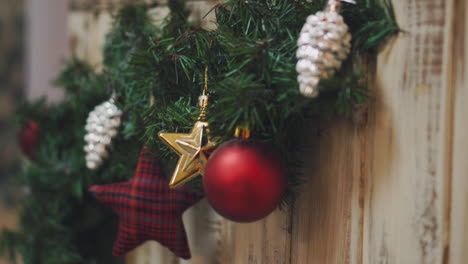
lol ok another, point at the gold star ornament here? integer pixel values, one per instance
(193, 149)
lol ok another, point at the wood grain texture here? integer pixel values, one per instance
(265, 241)
(87, 33)
(406, 191)
(151, 252)
(326, 220)
(204, 228)
(457, 252)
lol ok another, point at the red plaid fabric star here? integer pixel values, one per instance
(148, 209)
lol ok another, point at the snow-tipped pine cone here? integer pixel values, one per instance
(323, 44)
(101, 127)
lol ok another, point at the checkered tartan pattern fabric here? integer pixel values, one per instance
(148, 209)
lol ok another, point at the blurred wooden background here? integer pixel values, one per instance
(11, 90)
(393, 190)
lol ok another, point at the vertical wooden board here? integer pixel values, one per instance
(151, 252)
(87, 35)
(326, 219)
(262, 242)
(45, 47)
(226, 243)
(405, 195)
(458, 247)
(203, 227)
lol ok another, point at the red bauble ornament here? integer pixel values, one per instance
(244, 180)
(29, 139)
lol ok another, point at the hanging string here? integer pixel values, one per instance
(205, 86)
(203, 99)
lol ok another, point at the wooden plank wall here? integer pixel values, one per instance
(406, 210)
(457, 204)
(393, 190)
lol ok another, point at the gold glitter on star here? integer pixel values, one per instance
(193, 150)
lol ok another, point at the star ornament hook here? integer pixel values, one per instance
(193, 149)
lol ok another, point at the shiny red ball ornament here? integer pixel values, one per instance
(29, 139)
(244, 180)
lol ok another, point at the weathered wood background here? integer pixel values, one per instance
(11, 90)
(393, 190)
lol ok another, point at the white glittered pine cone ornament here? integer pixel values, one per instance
(101, 127)
(323, 44)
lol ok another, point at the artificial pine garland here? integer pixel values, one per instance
(251, 60)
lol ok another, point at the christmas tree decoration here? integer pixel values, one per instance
(251, 57)
(29, 139)
(244, 180)
(193, 148)
(323, 44)
(101, 127)
(148, 209)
